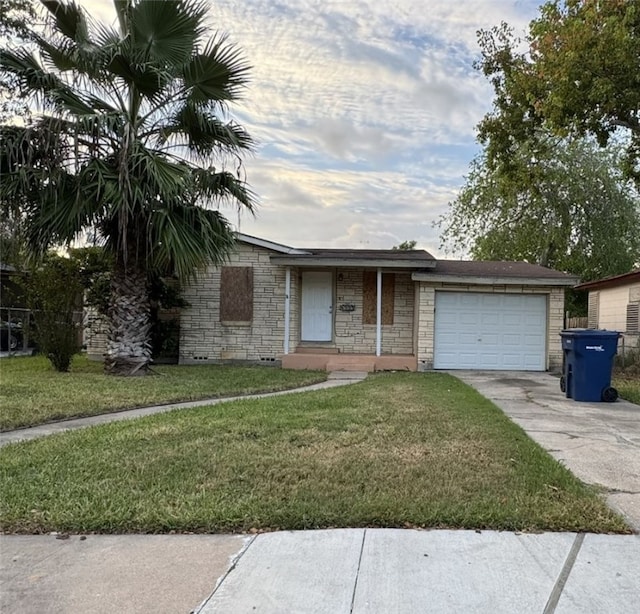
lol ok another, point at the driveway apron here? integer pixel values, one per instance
(598, 442)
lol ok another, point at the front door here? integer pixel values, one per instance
(317, 305)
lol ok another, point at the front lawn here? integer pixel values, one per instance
(397, 450)
(33, 393)
(628, 387)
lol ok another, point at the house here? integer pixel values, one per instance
(372, 310)
(614, 304)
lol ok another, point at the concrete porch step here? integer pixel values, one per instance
(352, 364)
(316, 349)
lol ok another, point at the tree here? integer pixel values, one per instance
(561, 204)
(131, 120)
(16, 30)
(580, 75)
(405, 246)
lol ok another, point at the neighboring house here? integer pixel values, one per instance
(372, 310)
(614, 304)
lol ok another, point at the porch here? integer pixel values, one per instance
(321, 359)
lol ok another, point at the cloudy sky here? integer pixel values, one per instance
(364, 112)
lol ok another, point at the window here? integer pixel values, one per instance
(370, 293)
(236, 294)
(594, 305)
(633, 318)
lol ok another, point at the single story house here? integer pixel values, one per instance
(614, 304)
(364, 309)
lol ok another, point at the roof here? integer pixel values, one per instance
(276, 247)
(424, 266)
(494, 272)
(383, 258)
(611, 282)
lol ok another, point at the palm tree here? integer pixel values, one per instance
(131, 119)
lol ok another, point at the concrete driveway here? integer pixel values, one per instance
(598, 442)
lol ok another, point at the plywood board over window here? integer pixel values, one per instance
(236, 295)
(370, 294)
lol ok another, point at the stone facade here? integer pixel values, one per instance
(426, 317)
(94, 334)
(203, 338)
(351, 336)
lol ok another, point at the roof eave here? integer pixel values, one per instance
(494, 280)
(611, 282)
(275, 247)
(306, 261)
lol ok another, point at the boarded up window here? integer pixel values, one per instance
(370, 294)
(594, 303)
(236, 294)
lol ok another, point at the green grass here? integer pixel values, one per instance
(397, 450)
(31, 392)
(628, 387)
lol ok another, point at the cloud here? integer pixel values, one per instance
(364, 111)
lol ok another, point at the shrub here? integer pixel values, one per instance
(54, 294)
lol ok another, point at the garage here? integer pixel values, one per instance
(490, 331)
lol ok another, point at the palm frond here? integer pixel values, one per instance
(215, 186)
(205, 134)
(218, 73)
(69, 19)
(167, 31)
(187, 238)
(34, 79)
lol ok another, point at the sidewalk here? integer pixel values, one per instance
(338, 378)
(340, 571)
(379, 571)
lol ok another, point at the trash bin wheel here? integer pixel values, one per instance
(609, 395)
(563, 383)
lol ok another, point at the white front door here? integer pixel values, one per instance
(317, 303)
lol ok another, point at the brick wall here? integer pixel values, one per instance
(352, 337)
(426, 317)
(203, 338)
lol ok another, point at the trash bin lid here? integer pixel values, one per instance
(588, 332)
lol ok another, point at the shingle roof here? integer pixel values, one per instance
(611, 282)
(367, 254)
(496, 268)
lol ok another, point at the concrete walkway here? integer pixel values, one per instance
(337, 378)
(598, 442)
(340, 571)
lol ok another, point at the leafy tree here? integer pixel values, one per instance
(131, 119)
(560, 204)
(16, 30)
(16, 19)
(54, 295)
(579, 75)
(405, 246)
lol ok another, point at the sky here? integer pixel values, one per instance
(364, 112)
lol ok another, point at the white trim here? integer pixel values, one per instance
(379, 312)
(493, 281)
(276, 247)
(287, 308)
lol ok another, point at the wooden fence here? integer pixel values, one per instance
(576, 322)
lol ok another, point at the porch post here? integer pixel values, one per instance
(287, 308)
(379, 313)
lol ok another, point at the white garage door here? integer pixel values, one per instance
(490, 331)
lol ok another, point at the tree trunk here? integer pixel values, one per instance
(128, 346)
